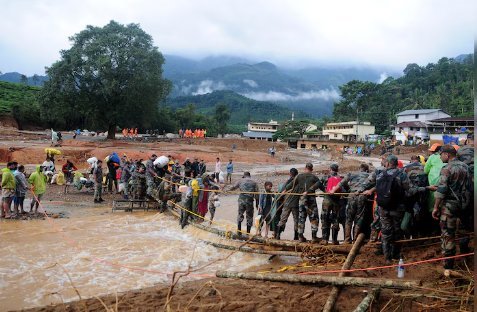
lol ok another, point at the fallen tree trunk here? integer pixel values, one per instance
(257, 251)
(323, 279)
(346, 266)
(364, 305)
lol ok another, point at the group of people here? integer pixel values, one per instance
(392, 202)
(388, 204)
(192, 134)
(16, 186)
(130, 133)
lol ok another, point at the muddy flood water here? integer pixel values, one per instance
(38, 255)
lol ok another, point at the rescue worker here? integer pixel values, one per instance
(150, 174)
(466, 155)
(245, 200)
(306, 184)
(354, 182)
(450, 191)
(422, 223)
(330, 207)
(290, 205)
(391, 186)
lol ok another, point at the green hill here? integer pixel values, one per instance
(242, 109)
(20, 101)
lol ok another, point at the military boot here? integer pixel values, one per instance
(464, 245)
(314, 239)
(347, 238)
(356, 232)
(277, 232)
(325, 236)
(301, 238)
(295, 237)
(249, 227)
(334, 236)
(395, 252)
(239, 229)
(449, 264)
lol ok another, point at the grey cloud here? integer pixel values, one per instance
(208, 86)
(382, 77)
(327, 95)
(250, 82)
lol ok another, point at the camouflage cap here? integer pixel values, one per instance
(392, 160)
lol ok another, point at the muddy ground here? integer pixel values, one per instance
(213, 294)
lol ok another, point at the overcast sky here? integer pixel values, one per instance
(289, 33)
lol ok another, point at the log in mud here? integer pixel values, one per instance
(346, 266)
(323, 279)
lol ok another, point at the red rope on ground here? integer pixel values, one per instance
(387, 266)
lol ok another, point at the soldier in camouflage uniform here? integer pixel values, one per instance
(306, 184)
(354, 182)
(150, 174)
(376, 223)
(138, 183)
(416, 202)
(245, 201)
(290, 205)
(165, 192)
(391, 215)
(330, 210)
(449, 195)
(466, 155)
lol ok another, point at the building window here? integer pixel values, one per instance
(302, 145)
(416, 116)
(411, 128)
(335, 135)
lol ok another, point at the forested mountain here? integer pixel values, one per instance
(313, 90)
(242, 109)
(446, 85)
(35, 80)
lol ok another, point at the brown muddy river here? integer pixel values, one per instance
(36, 254)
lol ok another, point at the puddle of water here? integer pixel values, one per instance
(29, 251)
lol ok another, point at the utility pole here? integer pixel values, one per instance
(357, 123)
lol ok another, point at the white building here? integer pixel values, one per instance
(348, 131)
(418, 123)
(261, 130)
(422, 115)
(271, 126)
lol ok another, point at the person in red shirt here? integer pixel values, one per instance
(68, 169)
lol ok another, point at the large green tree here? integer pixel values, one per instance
(221, 116)
(111, 76)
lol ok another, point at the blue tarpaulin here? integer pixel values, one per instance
(448, 139)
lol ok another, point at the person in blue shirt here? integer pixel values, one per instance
(230, 170)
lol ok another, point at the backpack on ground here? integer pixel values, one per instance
(387, 191)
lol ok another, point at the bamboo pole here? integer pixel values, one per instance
(346, 266)
(323, 279)
(364, 305)
(257, 251)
